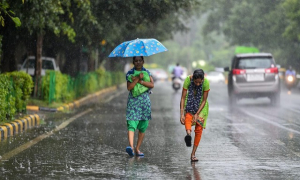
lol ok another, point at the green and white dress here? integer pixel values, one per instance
(138, 107)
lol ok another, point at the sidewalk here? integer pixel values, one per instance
(33, 118)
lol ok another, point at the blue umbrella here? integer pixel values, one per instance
(138, 47)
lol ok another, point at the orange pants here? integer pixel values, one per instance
(198, 128)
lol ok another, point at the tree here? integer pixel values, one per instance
(66, 26)
(263, 24)
(4, 9)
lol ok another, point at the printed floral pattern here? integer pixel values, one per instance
(138, 108)
(193, 99)
(138, 47)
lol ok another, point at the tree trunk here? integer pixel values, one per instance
(38, 63)
(91, 59)
(8, 63)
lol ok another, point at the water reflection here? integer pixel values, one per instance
(195, 175)
(134, 168)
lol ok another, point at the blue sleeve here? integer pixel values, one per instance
(144, 69)
(131, 71)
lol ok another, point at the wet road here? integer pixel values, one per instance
(253, 140)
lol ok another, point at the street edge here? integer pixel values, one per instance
(18, 126)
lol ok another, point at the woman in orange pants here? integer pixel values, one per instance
(194, 107)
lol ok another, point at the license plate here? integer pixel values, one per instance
(255, 77)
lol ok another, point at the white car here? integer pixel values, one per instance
(47, 64)
(215, 77)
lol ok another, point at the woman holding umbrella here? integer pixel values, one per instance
(139, 81)
(138, 111)
(194, 107)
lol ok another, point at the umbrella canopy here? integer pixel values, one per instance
(138, 47)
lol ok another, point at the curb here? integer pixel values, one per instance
(18, 125)
(72, 105)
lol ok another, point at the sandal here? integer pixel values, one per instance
(129, 151)
(194, 159)
(139, 153)
(188, 140)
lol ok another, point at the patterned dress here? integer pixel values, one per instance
(205, 88)
(138, 108)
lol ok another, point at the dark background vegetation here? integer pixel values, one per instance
(80, 34)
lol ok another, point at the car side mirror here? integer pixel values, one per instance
(226, 68)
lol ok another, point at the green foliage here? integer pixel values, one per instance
(4, 9)
(118, 78)
(271, 25)
(108, 79)
(67, 88)
(61, 86)
(41, 16)
(7, 106)
(91, 83)
(292, 30)
(15, 90)
(101, 77)
(61, 93)
(216, 53)
(206, 68)
(22, 85)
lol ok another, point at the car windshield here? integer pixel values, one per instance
(255, 63)
(45, 64)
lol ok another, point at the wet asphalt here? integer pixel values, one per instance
(253, 140)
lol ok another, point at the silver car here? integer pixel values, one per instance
(253, 75)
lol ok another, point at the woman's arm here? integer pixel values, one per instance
(182, 100)
(147, 84)
(205, 95)
(130, 85)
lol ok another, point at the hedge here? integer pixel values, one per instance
(15, 91)
(69, 88)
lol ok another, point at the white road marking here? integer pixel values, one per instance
(279, 142)
(249, 126)
(294, 110)
(113, 96)
(41, 137)
(270, 122)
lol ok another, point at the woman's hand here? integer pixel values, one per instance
(130, 85)
(182, 113)
(141, 76)
(182, 119)
(133, 78)
(195, 117)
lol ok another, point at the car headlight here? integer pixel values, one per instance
(290, 78)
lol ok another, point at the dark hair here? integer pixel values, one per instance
(198, 73)
(135, 57)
